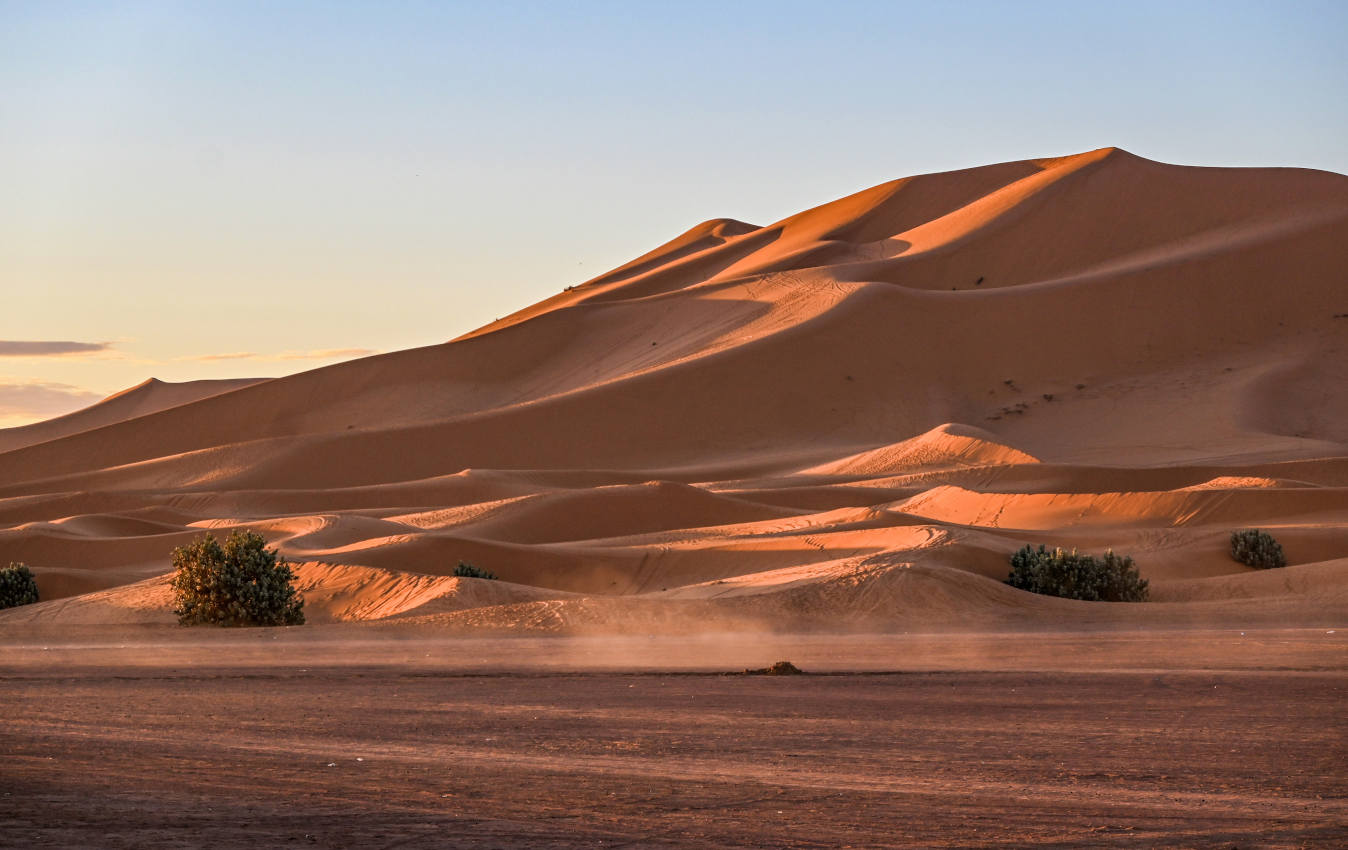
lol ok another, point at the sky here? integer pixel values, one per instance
(210, 190)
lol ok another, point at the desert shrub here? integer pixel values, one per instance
(1077, 576)
(467, 570)
(239, 583)
(1257, 549)
(17, 586)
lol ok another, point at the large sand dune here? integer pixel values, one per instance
(845, 419)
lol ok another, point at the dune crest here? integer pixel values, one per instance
(851, 415)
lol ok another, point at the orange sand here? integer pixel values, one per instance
(847, 419)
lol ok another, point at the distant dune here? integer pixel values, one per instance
(149, 396)
(846, 419)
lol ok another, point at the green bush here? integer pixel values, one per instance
(17, 586)
(1076, 576)
(1257, 549)
(241, 583)
(467, 570)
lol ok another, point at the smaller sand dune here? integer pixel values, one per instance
(616, 511)
(1233, 507)
(113, 525)
(885, 593)
(877, 593)
(146, 602)
(1237, 482)
(947, 446)
(1325, 582)
(342, 593)
(56, 583)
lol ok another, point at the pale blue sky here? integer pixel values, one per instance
(189, 180)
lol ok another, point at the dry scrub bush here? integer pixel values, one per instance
(17, 586)
(241, 583)
(1077, 576)
(467, 570)
(1257, 549)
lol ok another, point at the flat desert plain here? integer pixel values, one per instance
(817, 441)
(343, 738)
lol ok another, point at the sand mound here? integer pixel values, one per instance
(615, 511)
(1326, 582)
(852, 595)
(946, 446)
(1094, 350)
(1232, 482)
(332, 592)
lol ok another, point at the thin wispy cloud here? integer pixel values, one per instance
(326, 354)
(50, 348)
(234, 355)
(319, 354)
(26, 401)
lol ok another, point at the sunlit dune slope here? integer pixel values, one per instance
(1095, 350)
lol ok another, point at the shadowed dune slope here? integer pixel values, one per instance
(150, 396)
(1094, 350)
